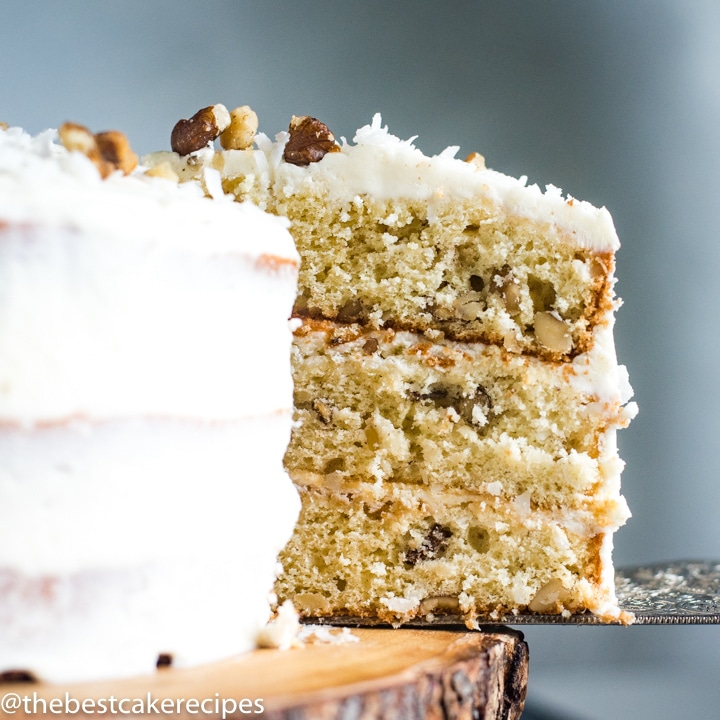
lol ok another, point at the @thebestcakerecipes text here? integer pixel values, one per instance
(33, 704)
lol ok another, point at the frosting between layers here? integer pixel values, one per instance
(605, 517)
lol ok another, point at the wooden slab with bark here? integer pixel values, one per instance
(404, 673)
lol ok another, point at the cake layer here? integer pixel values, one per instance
(473, 275)
(420, 243)
(415, 552)
(376, 405)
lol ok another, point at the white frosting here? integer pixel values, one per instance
(110, 624)
(41, 183)
(385, 166)
(125, 296)
(597, 374)
(148, 537)
(145, 407)
(101, 326)
(86, 495)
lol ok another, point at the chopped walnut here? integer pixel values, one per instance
(324, 410)
(351, 311)
(512, 296)
(77, 138)
(371, 346)
(511, 342)
(163, 170)
(17, 676)
(552, 332)
(115, 149)
(504, 282)
(109, 151)
(475, 410)
(470, 305)
(4, 125)
(202, 128)
(433, 546)
(442, 603)
(163, 660)
(240, 133)
(311, 602)
(550, 597)
(310, 140)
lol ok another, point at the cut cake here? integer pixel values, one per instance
(457, 393)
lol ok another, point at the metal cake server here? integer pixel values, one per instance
(678, 593)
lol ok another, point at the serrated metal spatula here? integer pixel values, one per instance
(678, 593)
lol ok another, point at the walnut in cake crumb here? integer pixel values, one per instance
(550, 597)
(433, 546)
(439, 603)
(552, 332)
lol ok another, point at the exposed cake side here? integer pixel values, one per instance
(512, 465)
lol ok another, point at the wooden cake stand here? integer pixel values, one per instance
(406, 673)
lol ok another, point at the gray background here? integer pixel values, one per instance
(617, 102)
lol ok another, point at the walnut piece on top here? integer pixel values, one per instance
(310, 140)
(240, 133)
(109, 151)
(202, 128)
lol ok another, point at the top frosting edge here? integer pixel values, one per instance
(385, 166)
(43, 183)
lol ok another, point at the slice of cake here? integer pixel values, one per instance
(457, 393)
(145, 408)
